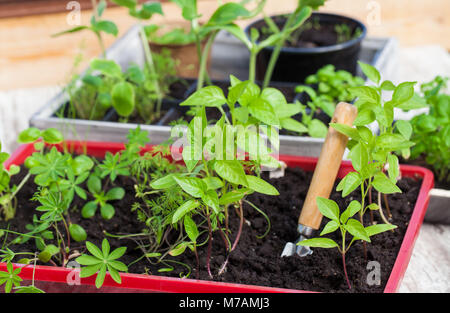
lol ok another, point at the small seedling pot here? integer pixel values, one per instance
(58, 279)
(296, 63)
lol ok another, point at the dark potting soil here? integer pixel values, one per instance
(256, 261)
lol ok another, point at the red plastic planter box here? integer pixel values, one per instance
(59, 279)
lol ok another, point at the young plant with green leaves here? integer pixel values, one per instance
(431, 130)
(373, 155)
(142, 13)
(219, 177)
(135, 92)
(9, 192)
(332, 88)
(346, 225)
(223, 18)
(58, 176)
(279, 36)
(11, 280)
(102, 261)
(97, 26)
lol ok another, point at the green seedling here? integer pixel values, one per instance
(373, 155)
(97, 26)
(345, 224)
(431, 131)
(107, 211)
(102, 261)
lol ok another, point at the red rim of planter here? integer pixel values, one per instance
(169, 284)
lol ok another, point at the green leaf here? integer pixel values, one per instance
(178, 249)
(210, 96)
(263, 111)
(227, 13)
(330, 227)
(353, 208)
(191, 228)
(52, 136)
(384, 185)
(232, 171)
(192, 185)
(89, 209)
(346, 130)
(318, 243)
(415, 102)
(293, 125)
(77, 232)
(183, 209)
(116, 193)
(94, 184)
(364, 117)
(328, 208)
(403, 92)
(367, 94)
(387, 85)
(317, 129)
(213, 183)
(349, 183)
(107, 211)
(259, 185)
(49, 251)
(393, 142)
(29, 135)
(355, 228)
(211, 199)
(123, 99)
(130, 4)
(378, 228)
(106, 67)
(274, 97)
(394, 169)
(404, 128)
(371, 72)
(106, 26)
(233, 196)
(165, 182)
(359, 156)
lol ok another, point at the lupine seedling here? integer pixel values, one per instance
(345, 224)
(102, 261)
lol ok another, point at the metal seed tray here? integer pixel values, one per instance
(229, 56)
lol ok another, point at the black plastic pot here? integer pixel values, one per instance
(295, 63)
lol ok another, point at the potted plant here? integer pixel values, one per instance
(303, 49)
(159, 218)
(431, 135)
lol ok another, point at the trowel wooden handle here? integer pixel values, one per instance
(327, 166)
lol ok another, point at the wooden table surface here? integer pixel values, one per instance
(29, 57)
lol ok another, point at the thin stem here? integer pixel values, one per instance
(252, 66)
(151, 66)
(204, 60)
(241, 225)
(22, 183)
(343, 259)
(208, 261)
(388, 210)
(276, 51)
(381, 209)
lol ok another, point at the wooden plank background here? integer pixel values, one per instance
(29, 57)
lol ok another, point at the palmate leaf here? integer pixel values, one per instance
(101, 262)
